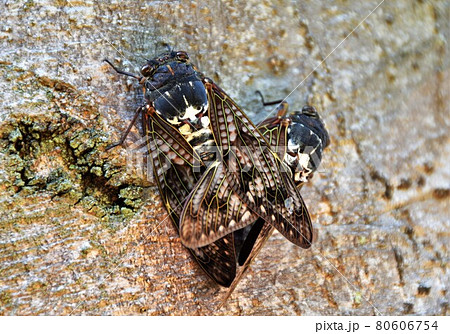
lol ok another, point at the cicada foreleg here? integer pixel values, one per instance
(127, 131)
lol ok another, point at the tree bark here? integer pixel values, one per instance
(83, 230)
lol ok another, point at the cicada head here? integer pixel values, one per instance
(174, 87)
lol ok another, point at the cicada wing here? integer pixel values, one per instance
(248, 237)
(263, 231)
(250, 240)
(174, 164)
(274, 129)
(255, 173)
(173, 161)
(213, 210)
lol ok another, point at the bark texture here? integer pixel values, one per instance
(82, 230)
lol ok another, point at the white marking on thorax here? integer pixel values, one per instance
(292, 146)
(191, 135)
(303, 160)
(205, 121)
(174, 120)
(191, 112)
(186, 101)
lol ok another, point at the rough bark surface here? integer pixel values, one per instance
(83, 233)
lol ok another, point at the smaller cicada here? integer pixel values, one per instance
(299, 139)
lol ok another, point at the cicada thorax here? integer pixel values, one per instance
(175, 90)
(306, 139)
(301, 138)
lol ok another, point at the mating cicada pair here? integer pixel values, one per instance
(225, 182)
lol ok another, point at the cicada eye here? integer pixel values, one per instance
(147, 70)
(309, 111)
(181, 55)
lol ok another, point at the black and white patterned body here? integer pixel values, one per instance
(240, 182)
(174, 88)
(176, 91)
(306, 139)
(299, 140)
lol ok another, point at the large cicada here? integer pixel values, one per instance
(223, 184)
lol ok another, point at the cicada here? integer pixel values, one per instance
(173, 126)
(299, 140)
(222, 184)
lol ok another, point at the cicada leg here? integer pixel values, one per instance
(282, 108)
(138, 111)
(127, 131)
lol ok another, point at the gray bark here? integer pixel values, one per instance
(82, 230)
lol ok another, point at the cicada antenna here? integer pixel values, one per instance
(271, 103)
(122, 72)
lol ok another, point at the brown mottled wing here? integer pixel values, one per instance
(263, 232)
(254, 172)
(173, 161)
(275, 132)
(213, 209)
(274, 129)
(259, 232)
